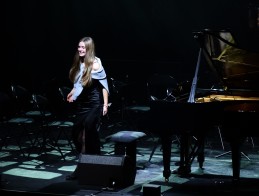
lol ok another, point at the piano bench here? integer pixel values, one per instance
(126, 143)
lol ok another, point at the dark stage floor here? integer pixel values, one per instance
(44, 174)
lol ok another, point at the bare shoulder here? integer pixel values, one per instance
(97, 64)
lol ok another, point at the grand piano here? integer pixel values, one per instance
(231, 103)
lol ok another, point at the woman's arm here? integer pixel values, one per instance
(105, 101)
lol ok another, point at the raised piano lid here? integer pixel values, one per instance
(236, 69)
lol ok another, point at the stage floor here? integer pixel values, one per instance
(45, 173)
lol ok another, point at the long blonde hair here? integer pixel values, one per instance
(88, 61)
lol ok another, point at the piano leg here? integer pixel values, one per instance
(166, 146)
(200, 150)
(185, 167)
(186, 157)
(236, 159)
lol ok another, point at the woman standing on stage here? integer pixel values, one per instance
(90, 93)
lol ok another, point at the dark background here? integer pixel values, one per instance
(134, 38)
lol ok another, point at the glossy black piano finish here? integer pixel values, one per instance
(232, 103)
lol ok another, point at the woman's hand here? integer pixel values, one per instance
(105, 109)
(70, 96)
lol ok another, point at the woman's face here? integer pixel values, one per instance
(81, 49)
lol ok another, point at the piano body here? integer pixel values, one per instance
(231, 102)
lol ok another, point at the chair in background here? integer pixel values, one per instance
(21, 98)
(44, 138)
(4, 108)
(25, 106)
(66, 117)
(117, 99)
(23, 102)
(16, 127)
(55, 129)
(67, 109)
(131, 101)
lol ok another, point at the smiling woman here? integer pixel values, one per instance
(90, 93)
